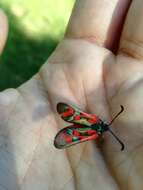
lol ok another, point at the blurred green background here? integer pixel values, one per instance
(35, 28)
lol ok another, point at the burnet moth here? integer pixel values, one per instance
(84, 127)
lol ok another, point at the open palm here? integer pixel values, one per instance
(84, 72)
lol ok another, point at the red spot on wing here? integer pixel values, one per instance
(76, 133)
(77, 117)
(93, 119)
(68, 139)
(68, 113)
(91, 132)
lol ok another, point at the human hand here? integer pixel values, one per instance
(82, 71)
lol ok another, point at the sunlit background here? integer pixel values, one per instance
(35, 28)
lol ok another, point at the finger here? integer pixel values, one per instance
(3, 30)
(132, 37)
(98, 21)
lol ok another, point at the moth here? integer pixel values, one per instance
(84, 126)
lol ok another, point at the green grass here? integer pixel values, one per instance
(36, 26)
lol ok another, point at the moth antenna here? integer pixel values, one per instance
(121, 143)
(122, 109)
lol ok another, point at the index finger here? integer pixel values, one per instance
(98, 21)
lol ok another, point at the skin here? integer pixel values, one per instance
(93, 69)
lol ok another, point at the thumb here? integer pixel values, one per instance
(3, 30)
